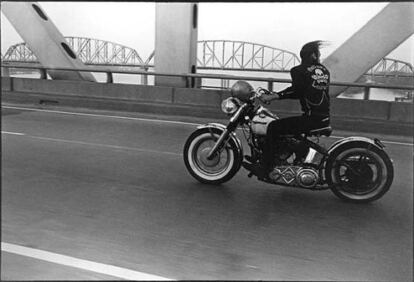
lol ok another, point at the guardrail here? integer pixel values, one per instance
(191, 77)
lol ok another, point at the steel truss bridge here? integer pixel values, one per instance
(212, 54)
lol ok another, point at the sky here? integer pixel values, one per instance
(281, 25)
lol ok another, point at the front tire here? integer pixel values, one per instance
(218, 170)
(359, 172)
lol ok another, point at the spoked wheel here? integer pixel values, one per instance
(359, 174)
(221, 168)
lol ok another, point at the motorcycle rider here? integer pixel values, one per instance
(310, 84)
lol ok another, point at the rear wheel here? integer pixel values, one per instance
(221, 168)
(359, 172)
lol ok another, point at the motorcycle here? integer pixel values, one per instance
(355, 169)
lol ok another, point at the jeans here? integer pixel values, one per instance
(295, 125)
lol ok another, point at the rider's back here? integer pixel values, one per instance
(311, 86)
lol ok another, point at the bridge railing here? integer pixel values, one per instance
(193, 79)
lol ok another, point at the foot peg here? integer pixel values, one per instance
(249, 159)
(247, 165)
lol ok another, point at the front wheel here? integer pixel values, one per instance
(221, 168)
(359, 173)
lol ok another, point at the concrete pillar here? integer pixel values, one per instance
(176, 42)
(44, 39)
(381, 35)
(5, 72)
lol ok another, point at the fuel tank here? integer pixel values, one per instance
(261, 120)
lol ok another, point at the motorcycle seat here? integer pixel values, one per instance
(324, 131)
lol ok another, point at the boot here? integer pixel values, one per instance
(258, 169)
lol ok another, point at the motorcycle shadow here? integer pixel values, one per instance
(270, 198)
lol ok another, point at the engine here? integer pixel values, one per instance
(285, 148)
(295, 176)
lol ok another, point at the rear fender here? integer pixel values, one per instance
(375, 142)
(222, 127)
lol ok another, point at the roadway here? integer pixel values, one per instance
(111, 188)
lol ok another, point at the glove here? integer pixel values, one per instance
(264, 91)
(267, 96)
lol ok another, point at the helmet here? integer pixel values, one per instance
(242, 90)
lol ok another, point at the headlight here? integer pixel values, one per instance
(229, 106)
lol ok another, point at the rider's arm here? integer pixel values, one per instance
(296, 90)
(273, 96)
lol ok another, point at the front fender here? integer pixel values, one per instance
(375, 142)
(222, 127)
(212, 125)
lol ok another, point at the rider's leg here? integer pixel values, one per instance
(291, 125)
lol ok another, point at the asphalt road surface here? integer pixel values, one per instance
(93, 195)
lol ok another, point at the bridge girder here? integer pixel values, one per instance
(226, 54)
(95, 51)
(19, 52)
(392, 66)
(212, 54)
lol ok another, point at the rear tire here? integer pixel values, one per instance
(359, 172)
(218, 170)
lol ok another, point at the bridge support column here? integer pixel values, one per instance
(382, 34)
(176, 43)
(5, 72)
(44, 39)
(144, 77)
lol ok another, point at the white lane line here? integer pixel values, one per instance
(93, 144)
(397, 143)
(98, 115)
(107, 269)
(12, 133)
(155, 120)
(104, 145)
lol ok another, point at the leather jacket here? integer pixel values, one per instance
(310, 84)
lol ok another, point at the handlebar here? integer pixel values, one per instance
(259, 93)
(263, 91)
